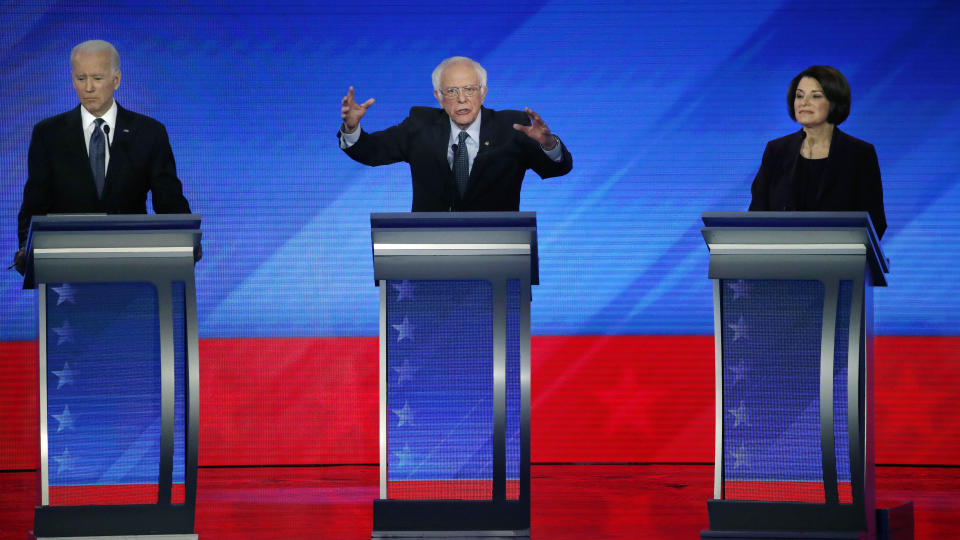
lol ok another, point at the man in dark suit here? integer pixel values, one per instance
(462, 157)
(98, 157)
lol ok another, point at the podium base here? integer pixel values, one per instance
(458, 535)
(893, 523)
(450, 519)
(781, 535)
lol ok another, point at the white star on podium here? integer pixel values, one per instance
(65, 419)
(739, 415)
(739, 329)
(65, 375)
(738, 456)
(405, 371)
(739, 288)
(64, 461)
(64, 294)
(737, 371)
(404, 415)
(404, 330)
(404, 457)
(404, 290)
(64, 334)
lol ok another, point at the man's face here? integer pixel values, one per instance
(462, 109)
(94, 80)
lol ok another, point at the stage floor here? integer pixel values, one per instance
(569, 501)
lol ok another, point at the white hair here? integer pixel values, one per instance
(438, 71)
(97, 46)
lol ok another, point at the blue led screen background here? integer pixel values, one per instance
(666, 108)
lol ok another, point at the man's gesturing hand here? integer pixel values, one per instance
(351, 113)
(538, 130)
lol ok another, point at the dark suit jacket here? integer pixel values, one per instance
(851, 178)
(59, 179)
(422, 141)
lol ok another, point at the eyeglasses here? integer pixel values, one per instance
(453, 92)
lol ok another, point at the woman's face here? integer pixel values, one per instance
(810, 104)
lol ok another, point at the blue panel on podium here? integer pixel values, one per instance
(103, 388)
(771, 350)
(440, 389)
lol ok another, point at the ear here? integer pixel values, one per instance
(116, 79)
(436, 94)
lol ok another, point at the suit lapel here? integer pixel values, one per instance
(76, 148)
(487, 132)
(122, 133)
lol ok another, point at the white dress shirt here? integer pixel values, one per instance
(88, 121)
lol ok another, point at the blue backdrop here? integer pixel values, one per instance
(666, 107)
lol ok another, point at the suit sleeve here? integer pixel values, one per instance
(36, 191)
(871, 191)
(546, 167)
(760, 190)
(381, 147)
(166, 188)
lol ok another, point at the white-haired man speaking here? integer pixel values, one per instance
(462, 156)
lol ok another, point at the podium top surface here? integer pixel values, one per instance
(114, 222)
(61, 239)
(796, 233)
(453, 220)
(789, 219)
(451, 235)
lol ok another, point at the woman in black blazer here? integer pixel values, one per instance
(820, 167)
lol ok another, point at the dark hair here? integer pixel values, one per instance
(835, 88)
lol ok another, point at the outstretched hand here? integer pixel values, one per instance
(538, 130)
(351, 113)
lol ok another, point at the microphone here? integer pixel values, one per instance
(106, 131)
(454, 147)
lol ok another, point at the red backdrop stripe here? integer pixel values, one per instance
(595, 399)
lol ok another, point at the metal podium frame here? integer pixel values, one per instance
(157, 249)
(491, 246)
(828, 247)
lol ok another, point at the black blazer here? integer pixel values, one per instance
(59, 179)
(851, 178)
(421, 140)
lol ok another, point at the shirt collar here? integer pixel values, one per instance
(109, 117)
(473, 130)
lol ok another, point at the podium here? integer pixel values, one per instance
(454, 372)
(118, 374)
(794, 449)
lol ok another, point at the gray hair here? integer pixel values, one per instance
(98, 46)
(438, 71)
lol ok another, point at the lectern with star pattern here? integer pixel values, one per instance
(793, 333)
(118, 374)
(454, 372)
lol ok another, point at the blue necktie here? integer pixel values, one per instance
(461, 167)
(98, 156)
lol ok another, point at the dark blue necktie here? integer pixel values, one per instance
(461, 167)
(98, 155)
